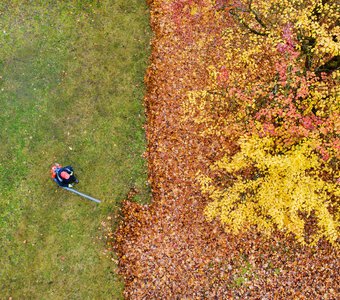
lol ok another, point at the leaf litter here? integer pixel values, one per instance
(167, 249)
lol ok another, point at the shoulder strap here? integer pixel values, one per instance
(58, 176)
(69, 170)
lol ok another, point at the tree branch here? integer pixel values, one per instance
(234, 13)
(330, 66)
(256, 15)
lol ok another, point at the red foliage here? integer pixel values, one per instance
(167, 250)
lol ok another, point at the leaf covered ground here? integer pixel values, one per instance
(167, 250)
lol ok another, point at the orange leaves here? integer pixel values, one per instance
(167, 250)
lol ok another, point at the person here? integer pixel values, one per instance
(63, 176)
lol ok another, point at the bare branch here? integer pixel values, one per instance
(234, 13)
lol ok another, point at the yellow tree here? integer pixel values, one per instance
(277, 91)
(283, 191)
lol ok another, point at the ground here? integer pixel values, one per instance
(71, 90)
(167, 250)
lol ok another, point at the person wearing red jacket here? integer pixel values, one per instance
(63, 176)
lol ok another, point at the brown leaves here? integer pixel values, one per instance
(167, 250)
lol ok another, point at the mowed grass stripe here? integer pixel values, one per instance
(71, 91)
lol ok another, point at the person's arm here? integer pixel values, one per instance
(69, 169)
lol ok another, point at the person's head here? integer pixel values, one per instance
(64, 175)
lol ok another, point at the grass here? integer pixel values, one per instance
(71, 91)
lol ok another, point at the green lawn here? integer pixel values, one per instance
(71, 91)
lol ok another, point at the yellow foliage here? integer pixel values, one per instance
(208, 107)
(288, 185)
(283, 193)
